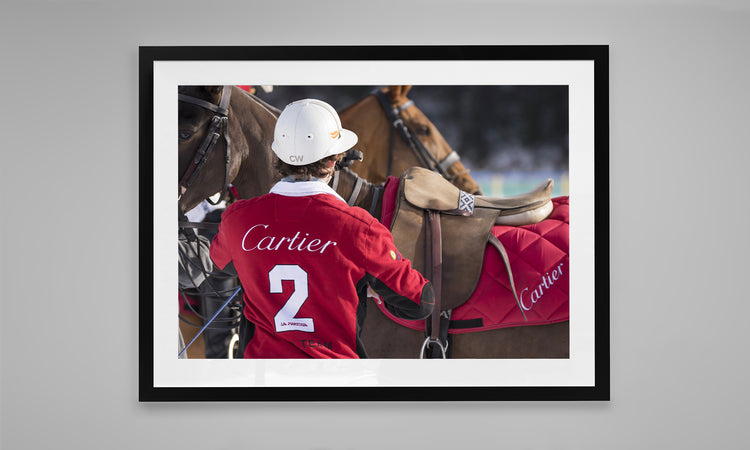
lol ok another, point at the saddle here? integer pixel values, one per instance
(443, 230)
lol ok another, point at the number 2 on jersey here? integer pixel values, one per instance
(285, 319)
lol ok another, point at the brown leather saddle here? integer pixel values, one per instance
(444, 231)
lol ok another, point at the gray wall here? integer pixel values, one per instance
(679, 119)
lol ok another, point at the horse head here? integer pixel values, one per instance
(417, 143)
(222, 144)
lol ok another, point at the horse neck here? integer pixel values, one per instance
(370, 196)
(367, 120)
(255, 174)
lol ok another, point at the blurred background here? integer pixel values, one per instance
(510, 137)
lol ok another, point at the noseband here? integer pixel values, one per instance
(217, 128)
(425, 158)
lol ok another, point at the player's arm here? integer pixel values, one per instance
(405, 292)
(402, 306)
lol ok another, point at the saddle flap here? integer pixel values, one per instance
(463, 242)
(426, 189)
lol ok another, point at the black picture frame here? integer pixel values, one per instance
(151, 61)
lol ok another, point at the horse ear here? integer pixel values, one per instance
(208, 93)
(395, 93)
(214, 91)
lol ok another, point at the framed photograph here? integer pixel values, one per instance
(524, 136)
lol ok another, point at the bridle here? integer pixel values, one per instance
(425, 158)
(217, 128)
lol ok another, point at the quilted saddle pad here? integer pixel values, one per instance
(539, 259)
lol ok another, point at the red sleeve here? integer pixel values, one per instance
(404, 290)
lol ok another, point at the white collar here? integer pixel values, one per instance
(303, 189)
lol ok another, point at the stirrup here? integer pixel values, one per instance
(443, 349)
(232, 342)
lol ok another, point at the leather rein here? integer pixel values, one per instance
(425, 158)
(217, 128)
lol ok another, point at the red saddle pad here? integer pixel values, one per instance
(538, 256)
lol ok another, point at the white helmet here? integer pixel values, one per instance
(308, 131)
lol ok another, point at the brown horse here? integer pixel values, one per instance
(394, 135)
(251, 172)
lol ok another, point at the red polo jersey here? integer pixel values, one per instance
(305, 260)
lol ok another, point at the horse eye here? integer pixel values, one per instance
(185, 135)
(422, 130)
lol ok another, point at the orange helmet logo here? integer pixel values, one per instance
(335, 134)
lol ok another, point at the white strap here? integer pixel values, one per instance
(355, 192)
(449, 160)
